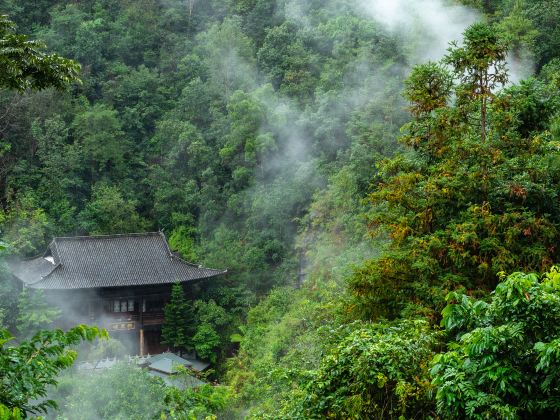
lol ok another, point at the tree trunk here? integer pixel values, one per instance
(483, 119)
(483, 105)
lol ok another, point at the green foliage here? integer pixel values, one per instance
(471, 199)
(519, 31)
(480, 67)
(228, 54)
(209, 329)
(23, 64)
(25, 226)
(505, 362)
(107, 348)
(181, 240)
(8, 293)
(109, 212)
(122, 392)
(285, 337)
(480, 62)
(202, 403)
(289, 331)
(542, 15)
(10, 414)
(27, 369)
(34, 313)
(101, 142)
(427, 88)
(287, 61)
(179, 320)
(250, 131)
(128, 392)
(378, 371)
(205, 342)
(212, 322)
(528, 25)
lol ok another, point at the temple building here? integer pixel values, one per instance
(117, 282)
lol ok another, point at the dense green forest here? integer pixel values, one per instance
(381, 180)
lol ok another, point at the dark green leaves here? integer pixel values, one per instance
(474, 195)
(24, 66)
(506, 362)
(179, 320)
(428, 88)
(27, 369)
(378, 371)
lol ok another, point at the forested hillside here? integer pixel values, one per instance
(379, 179)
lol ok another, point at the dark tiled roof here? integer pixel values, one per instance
(84, 262)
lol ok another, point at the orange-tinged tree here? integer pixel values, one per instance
(473, 196)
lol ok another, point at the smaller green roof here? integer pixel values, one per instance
(194, 364)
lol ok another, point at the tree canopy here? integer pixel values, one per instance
(29, 367)
(23, 64)
(468, 201)
(357, 192)
(504, 363)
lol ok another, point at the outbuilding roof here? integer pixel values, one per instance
(85, 262)
(169, 359)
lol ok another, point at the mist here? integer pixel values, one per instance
(306, 134)
(428, 25)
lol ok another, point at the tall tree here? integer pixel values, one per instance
(468, 201)
(102, 144)
(480, 67)
(179, 316)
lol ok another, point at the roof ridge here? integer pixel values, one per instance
(114, 235)
(51, 244)
(217, 270)
(162, 236)
(43, 278)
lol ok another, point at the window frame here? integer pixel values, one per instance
(123, 305)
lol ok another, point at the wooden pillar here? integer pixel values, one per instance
(141, 341)
(141, 318)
